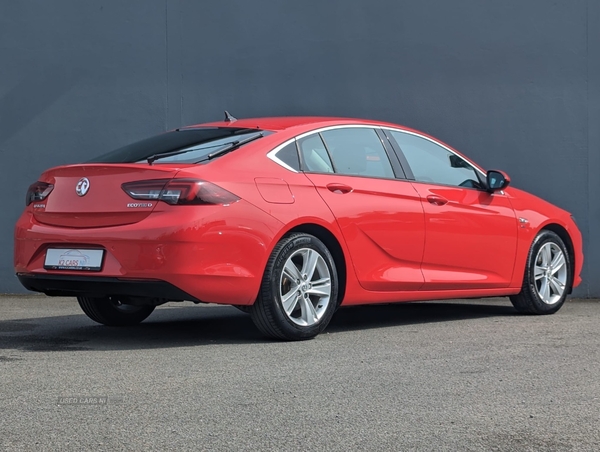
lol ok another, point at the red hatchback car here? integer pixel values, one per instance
(287, 219)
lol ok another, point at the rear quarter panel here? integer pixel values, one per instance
(238, 173)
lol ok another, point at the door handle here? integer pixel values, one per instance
(340, 189)
(436, 200)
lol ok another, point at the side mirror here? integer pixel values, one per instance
(497, 180)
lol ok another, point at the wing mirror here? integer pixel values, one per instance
(497, 180)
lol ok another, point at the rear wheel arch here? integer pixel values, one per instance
(332, 243)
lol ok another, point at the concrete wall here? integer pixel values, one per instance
(513, 83)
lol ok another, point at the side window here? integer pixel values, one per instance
(314, 154)
(358, 152)
(289, 155)
(431, 162)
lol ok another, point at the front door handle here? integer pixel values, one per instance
(436, 200)
(340, 189)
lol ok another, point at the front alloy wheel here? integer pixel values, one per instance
(299, 291)
(548, 276)
(550, 273)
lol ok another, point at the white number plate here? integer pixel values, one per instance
(73, 259)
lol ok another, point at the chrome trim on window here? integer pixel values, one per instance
(473, 164)
(272, 154)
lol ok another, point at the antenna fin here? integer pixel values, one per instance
(228, 117)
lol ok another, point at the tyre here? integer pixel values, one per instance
(548, 276)
(111, 312)
(299, 290)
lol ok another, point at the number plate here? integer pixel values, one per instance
(73, 259)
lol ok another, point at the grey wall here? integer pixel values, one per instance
(513, 83)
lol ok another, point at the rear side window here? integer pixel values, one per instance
(314, 155)
(289, 155)
(191, 145)
(358, 152)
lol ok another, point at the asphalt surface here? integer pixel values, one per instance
(469, 375)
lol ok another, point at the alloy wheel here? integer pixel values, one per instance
(305, 287)
(550, 273)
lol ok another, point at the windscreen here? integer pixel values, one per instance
(188, 145)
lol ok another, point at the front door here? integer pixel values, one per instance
(470, 234)
(471, 238)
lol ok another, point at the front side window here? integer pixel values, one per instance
(358, 152)
(433, 163)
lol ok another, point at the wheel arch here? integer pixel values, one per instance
(566, 238)
(334, 246)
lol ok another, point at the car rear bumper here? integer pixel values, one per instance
(93, 286)
(215, 254)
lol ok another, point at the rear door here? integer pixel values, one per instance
(378, 211)
(471, 235)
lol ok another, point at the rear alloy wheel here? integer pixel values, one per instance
(299, 290)
(547, 280)
(111, 312)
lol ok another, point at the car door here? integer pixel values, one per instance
(471, 234)
(378, 211)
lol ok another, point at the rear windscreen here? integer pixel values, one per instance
(190, 145)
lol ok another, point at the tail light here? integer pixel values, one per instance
(179, 192)
(38, 192)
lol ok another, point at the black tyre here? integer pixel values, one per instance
(548, 276)
(111, 312)
(299, 290)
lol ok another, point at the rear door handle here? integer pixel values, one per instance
(436, 200)
(340, 189)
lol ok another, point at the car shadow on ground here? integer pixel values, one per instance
(192, 326)
(401, 314)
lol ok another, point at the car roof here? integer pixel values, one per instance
(287, 122)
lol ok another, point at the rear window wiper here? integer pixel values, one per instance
(224, 149)
(231, 146)
(161, 155)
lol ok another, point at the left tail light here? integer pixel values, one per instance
(38, 192)
(179, 192)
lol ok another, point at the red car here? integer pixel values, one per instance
(289, 218)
